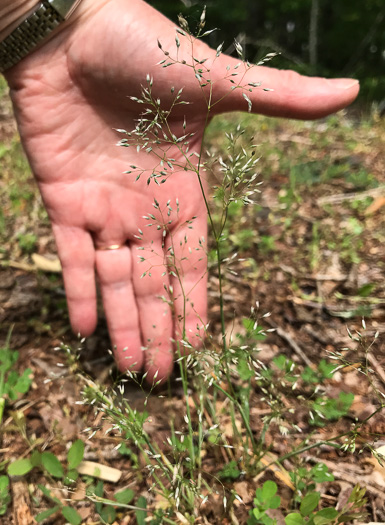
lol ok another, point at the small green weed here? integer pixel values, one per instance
(51, 466)
(305, 480)
(27, 242)
(11, 382)
(330, 409)
(323, 372)
(49, 463)
(309, 515)
(230, 471)
(106, 508)
(265, 499)
(5, 497)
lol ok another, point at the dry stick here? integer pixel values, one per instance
(318, 277)
(377, 367)
(353, 477)
(284, 335)
(343, 197)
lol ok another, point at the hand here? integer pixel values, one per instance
(69, 97)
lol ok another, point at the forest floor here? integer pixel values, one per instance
(311, 253)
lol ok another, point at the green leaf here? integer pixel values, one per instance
(309, 375)
(124, 496)
(108, 514)
(325, 516)
(5, 498)
(274, 502)
(326, 369)
(269, 490)
(357, 495)
(141, 515)
(366, 289)
(266, 520)
(48, 494)
(20, 467)
(24, 382)
(230, 471)
(280, 362)
(52, 464)
(99, 491)
(71, 515)
(36, 458)
(320, 473)
(4, 483)
(75, 454)
(71, 477)
(309, 503)
(294, 519)
(46, 514)
(244, 370)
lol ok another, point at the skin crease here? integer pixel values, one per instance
(69, 96)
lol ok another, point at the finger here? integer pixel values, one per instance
(288, 94)
(292, 95)
(187, 262)
(114, 269)
(151, 287)
(77, 256)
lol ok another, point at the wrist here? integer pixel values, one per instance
(34, 30)
(11, 11)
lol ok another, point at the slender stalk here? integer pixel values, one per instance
(329, 442)
(188, 412)
(242, 413)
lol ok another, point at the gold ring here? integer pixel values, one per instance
(111, 247)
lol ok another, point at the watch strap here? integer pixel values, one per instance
(33, 30)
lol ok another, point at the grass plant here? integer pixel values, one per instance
(219, 382)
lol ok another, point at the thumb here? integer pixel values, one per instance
(277, 93)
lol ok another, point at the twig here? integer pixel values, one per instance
(353, 478)
(377, 367)
(284, 335)
(318, 277)
(343, 197)
(320, 338)
(97, 470)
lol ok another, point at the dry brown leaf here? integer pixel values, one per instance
(85, 512)
(22, 514)
(80, 493)
(19, 266)
(181, 518)
(379, 470)
(278, 471)
(378, 474)
(378, 203)
(161, 502)
(45, 264)
(242, 489)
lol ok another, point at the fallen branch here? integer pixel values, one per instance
(97, 470)
(343, 197)
(284, 335)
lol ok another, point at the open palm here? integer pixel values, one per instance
(69, 98)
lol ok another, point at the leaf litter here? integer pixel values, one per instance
(316, 266)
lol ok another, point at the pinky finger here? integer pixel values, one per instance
(77, 256)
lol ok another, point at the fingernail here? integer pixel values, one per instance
(343, 83)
